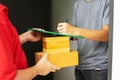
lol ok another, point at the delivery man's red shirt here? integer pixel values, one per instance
(12, 57)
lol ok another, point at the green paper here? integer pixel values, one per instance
(53, 33)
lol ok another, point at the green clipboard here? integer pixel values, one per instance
(53, 33)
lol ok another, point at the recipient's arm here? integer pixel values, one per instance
(97, 35)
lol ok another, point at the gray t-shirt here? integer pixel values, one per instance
(91, 15)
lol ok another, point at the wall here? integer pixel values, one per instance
(116, 41)
(62, 9)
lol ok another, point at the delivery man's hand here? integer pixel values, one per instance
(33, 36)
(44, 66)
(30, 36)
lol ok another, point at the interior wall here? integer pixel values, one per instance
(61, 10)
(116, 41)
(30, 13)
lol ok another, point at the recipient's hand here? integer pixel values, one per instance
(66, 28)
(44, 66)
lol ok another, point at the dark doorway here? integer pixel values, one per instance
(30, 13)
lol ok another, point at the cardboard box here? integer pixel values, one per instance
(58, 50)
(60, 59)
(56, 44)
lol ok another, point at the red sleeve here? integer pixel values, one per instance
(7, 67)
